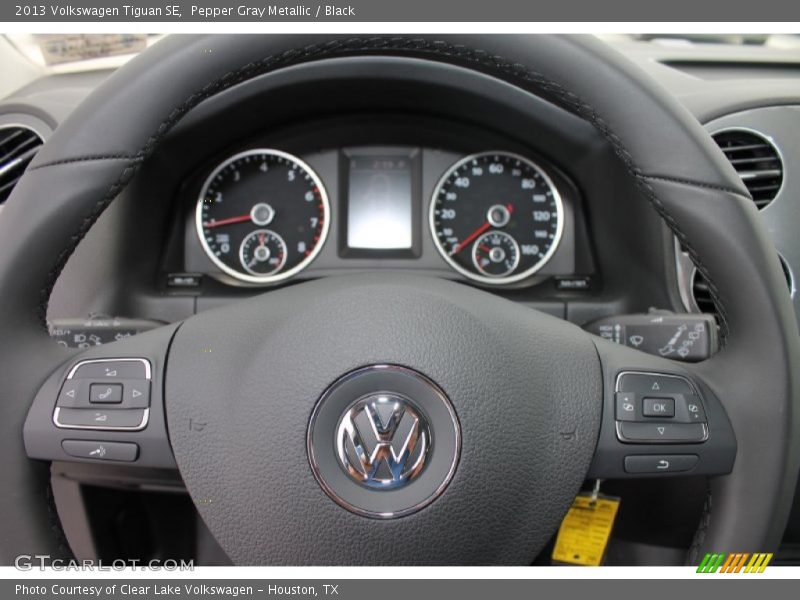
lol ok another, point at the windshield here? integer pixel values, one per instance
(69, 52)
(789, 41)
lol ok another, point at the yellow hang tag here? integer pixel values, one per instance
(584, 532)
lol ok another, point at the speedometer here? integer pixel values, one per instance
(496, 217)
(262, 216)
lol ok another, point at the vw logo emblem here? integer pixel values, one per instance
(382, 441)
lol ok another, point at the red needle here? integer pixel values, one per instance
(470, 238)
(230, 221)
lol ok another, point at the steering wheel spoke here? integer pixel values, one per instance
(659, 419)
(105, 405)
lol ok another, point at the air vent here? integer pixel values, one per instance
(18, 146)
(702, 295)
(757, 161)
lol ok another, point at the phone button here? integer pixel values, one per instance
(105, 393)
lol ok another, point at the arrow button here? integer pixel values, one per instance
(136, 394)
(690, 433)
(73, 394)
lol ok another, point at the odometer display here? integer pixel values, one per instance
(262, 216)
(496, 217)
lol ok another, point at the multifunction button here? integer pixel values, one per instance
(110, 370)
(100, 419)
(119, 451)
(662, 432)
(658, 408)
(105, 394)
(660, 463)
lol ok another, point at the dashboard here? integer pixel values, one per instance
(390, 172)
(394, 166)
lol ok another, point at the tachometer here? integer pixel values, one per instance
(262, 216)
(496, 217)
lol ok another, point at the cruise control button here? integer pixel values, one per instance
(658, 407)
(121, 451)
(109, 370)
(660, 463)
(661, 432)
(626, 406)
(100, 419)
(105, 393)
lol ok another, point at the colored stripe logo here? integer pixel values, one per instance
(736, 562)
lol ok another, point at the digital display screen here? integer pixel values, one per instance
(379, 204)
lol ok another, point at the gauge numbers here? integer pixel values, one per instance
(262, 216)
(496, 217)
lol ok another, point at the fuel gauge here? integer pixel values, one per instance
(495, 254)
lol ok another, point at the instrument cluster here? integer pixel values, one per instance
(263, 215)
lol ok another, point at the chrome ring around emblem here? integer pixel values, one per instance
(383, 441)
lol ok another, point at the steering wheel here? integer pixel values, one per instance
(495, 438)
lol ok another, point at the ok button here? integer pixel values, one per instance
(658, 407)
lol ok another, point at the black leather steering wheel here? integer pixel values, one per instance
(533, 403)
